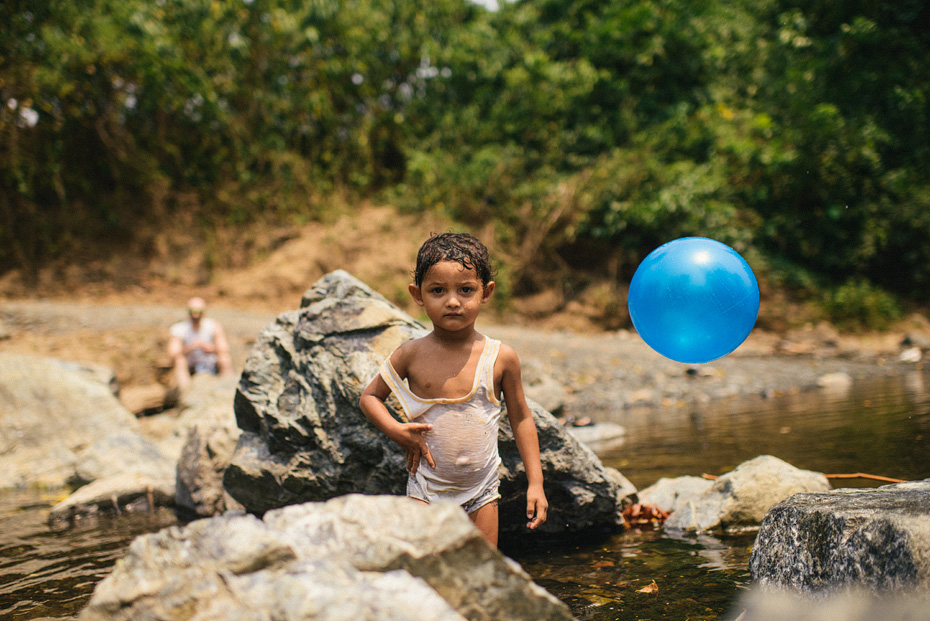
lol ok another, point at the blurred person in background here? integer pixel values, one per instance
(198, 345)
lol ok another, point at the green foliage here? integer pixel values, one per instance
(637, 202)
(860, 305)
(111, 108)
(581, 134)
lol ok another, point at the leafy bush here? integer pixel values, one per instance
(860, 305)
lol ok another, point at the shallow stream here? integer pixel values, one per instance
(880, 426)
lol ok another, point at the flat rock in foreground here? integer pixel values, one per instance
(877, 540)
(355, 557)
(304, 437)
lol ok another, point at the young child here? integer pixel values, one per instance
(451, 400)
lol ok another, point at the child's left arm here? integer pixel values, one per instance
(524, 432)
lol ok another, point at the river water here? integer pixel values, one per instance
(879, 426)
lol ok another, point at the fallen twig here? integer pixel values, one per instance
(857, 475)
(862, 475)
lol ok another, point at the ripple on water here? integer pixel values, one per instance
(641, 574)
(52, 573)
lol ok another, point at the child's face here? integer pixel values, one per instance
(451, 295)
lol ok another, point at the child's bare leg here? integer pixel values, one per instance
(485, 519)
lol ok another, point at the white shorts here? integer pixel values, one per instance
(487, 495)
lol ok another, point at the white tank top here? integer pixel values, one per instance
(463, 441)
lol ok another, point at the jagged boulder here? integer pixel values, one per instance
(874, 540)
(740, 498)
(304, 437)
(354, 557)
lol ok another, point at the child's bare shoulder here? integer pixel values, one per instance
(407, 352)
(508, 353)
(507, 358)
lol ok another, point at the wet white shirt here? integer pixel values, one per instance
(463, 440)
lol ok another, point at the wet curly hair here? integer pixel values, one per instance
(462, 248)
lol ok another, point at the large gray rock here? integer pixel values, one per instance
(61, 424)
(739, 499)
(353, 558)
(125, 472)
(871, 539)
(305, 438)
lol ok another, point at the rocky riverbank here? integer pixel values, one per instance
(576, 375)
(584, 373)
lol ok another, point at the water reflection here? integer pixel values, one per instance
(878, 427)
(44, 573)
(642, 575)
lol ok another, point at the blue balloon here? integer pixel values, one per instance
(694, 299)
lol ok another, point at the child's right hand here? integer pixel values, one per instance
(412, 440)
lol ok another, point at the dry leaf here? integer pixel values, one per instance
(644, 515)
(649, 588)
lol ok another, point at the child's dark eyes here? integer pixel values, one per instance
(462, 290)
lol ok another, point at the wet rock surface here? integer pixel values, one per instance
(875, 540)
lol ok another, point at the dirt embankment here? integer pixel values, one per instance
(99, 313)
